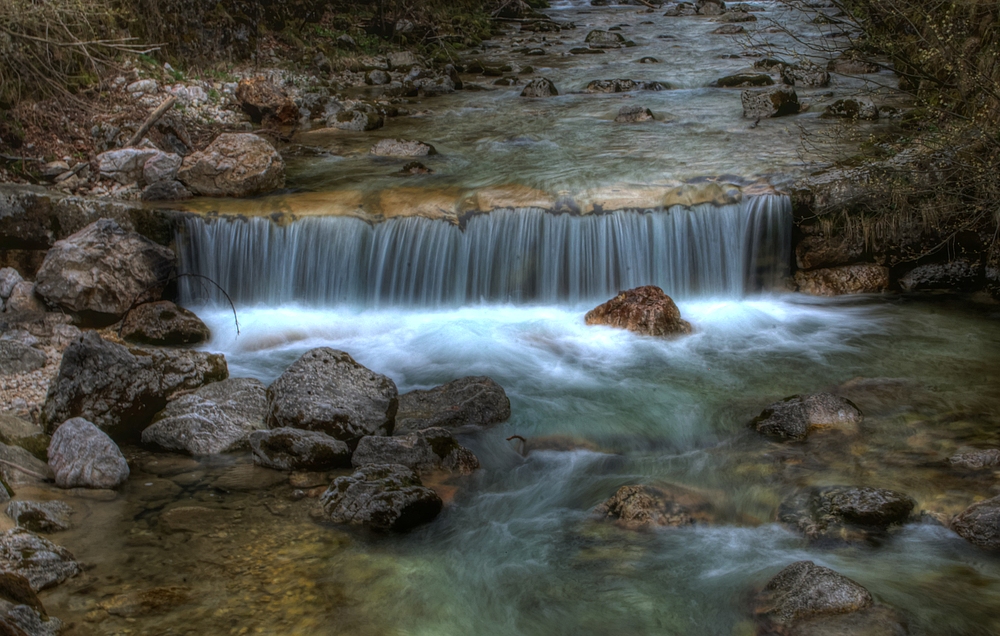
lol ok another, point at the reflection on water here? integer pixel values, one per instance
(515, 551)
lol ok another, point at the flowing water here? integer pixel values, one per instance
(198, 546)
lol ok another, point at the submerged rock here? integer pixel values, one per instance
(742, 80)
(633, 115)
(863, 278)
(83, 456)
(384, 497)
(425, 450)
(165, 324)
(772, 102)
(842, 512)
(473, 402)
(326, 390)
(217, 418)
(120, 390)
(638, 507)
(101, 270)
(234, 165)
(643, 310)
(295, 449)
(540, 87)
(598, 39)
(624, 86)
(804, 590)
(40, 516)
(976, 459)
(43, 563)
(401, 148)
(795, 417)
(979, 524)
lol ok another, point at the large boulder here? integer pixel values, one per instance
(770, 102)
(9, 277)
(99, 272)
(261, 99)
(979, 524)
(83, 456)
(862, 278)
(234, 165)
(163, 323)
(24, 300)
(644, 310)
(16, 357)
(624, 86)
(795, 417)
(710, 7)
(843, 512)
(295, 449)
(804, 591)
(326, 390)
(217, 418)
(426, 450)
(643, 507)
(43, 563)
(385, 497)
(40, 516)
(120, 390)
(540, 87)
(473, 402)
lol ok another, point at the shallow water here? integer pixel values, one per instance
(516, 551)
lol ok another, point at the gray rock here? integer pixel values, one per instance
(124, 165)
(166, 191)
(633, 114)
(402, 60)
(979, 524)
(53, 169)
(795, 417)
(40, 516)
(120, 391)
(842, 512)
(679, 9)
(101, 270)
(540, 87)
(729, 29)
(429, 449)
(852, 109)
(24, 299)
(804, 590)
(23, 620)
(401, 148)
(18, 358)
(358, 120)
(43, 563)
(624, 86)
(9, 277)
(162, 166)
(873, 621)
(163, 323)
(710, 7)
(473, 402)
(772, 102)
(234, 165)
(737, 16)
(295, 449)
(808, 75)
(217, 418)
(20, 466)
(326, 390)
(383, 497)
(377, 77)
(976, 459)
(959, 275)
(83, 456)
(143, 86)
(598, 39)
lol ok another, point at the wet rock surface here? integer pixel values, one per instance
(540, 87)
(234, 165)
(120, 390)
(979, 524)
(383, 497)
(633, 115)
(217, 418)
(326, 390)
(43, 563)
(623, 86)
(795, 417)
(83, 456)
(296, 449)
(804, 590)
(98, 273)
(645, 507)
(643, 310)
(772, 102)
(422, 451)
(163, 323)
(40, 516)
(842, 512)
(474, 402)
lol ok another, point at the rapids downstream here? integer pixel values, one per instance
(502, 293)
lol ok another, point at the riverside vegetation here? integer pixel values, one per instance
(332, 317)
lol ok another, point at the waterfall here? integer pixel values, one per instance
(517, 255)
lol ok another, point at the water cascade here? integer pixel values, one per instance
(519, 255)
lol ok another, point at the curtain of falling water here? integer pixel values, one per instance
(522, 255)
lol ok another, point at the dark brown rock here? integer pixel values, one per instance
(643, 310)
(979, 524)
(862, 278)
(261, 99)
(795, 417)
(638, 507)
(843, 512)
(163, 323)
(422, 451)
